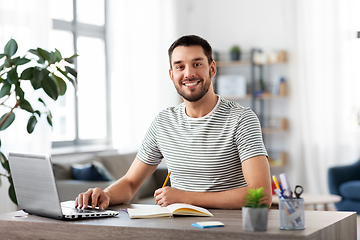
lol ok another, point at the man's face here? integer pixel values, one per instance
(191, 72)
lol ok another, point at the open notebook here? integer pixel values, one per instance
(36, 190)
(169, 211)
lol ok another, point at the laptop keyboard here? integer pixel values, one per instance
(71, 211)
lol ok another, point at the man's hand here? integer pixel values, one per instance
(169, 195)
(94, 197)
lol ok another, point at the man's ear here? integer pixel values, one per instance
(213, 69)
(171, 75)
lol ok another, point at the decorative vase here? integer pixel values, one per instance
(255, 219)
(235, 56)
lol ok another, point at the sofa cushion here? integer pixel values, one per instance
(62, 171)
(350, 189)
(117, 164)
(94, 171)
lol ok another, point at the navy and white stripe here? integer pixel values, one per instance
(204, 154)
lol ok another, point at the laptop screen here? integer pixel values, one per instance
(34, 184)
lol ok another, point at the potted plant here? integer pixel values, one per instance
(48, 72)
(255, 212)
(235, 53)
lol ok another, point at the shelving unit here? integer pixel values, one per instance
(257, 102)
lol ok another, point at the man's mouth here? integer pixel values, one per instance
(191, 84)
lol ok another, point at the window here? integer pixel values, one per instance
(82, 117)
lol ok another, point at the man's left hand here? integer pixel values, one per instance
(169, 195)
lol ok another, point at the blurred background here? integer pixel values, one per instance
(123, 77)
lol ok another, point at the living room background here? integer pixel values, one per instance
(322, 73)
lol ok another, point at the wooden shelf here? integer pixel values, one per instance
(272, 130)
(242, 63)
(279, 161)
(233, 63)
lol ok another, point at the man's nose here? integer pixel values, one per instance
(189, 72)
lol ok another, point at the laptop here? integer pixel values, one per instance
(36, 190)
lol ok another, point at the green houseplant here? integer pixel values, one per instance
(235, 53)
(49, 72)
(255, 211)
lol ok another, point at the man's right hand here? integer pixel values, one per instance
(94, 197)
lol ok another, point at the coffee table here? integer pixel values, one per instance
(313, 199)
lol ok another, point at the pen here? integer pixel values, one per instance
(285, 184)
(276, 182)
(167, 178)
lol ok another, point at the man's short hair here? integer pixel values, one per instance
(191, 40)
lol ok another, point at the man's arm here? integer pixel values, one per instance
(122, 191)
(256, 171)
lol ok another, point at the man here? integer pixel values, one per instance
(213, 147)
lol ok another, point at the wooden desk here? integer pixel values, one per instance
(319, 225)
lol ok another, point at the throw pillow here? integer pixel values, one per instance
(90, 172)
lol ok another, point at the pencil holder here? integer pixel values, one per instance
(292, 213)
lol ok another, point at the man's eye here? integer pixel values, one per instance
(179, 67)
(197, 64)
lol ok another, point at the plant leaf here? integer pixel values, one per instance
(24, 104)
(49, 118)
(12, 76)
(5, 90)
(60, 83)
(71, 59)
(37, 78)
(2, 55)
(11, 191)
(74, 83)
(8, 121)
(10, 48)
(27, 74)
(19, 92)
(71, 71)
(4, 162)
(44, 54)
(50, 87)
(42, 101)
(58, 55)
(31, 124)
(21, 61)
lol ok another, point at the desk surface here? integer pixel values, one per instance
(319, 225)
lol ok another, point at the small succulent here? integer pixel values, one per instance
(255, 198)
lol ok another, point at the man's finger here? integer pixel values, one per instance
(86, 198)
(95, 197)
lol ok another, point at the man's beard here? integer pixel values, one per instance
(193, 97)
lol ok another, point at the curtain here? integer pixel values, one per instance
(138, 39)
(324, 98)
(28, 23)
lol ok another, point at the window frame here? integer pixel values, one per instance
(78, 29)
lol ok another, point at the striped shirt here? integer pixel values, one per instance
(204, 154)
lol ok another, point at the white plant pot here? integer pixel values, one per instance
(255, 219)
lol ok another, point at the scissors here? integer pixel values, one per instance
(298, 191)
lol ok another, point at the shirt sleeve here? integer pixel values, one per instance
(248, 137)
(149, 152)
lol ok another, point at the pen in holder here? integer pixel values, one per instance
(292, 213)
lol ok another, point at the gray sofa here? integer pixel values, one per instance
(116, 164)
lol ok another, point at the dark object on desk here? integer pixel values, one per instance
(345, 181)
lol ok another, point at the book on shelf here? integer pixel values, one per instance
(169, 211)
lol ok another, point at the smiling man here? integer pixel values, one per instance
(213, 147)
